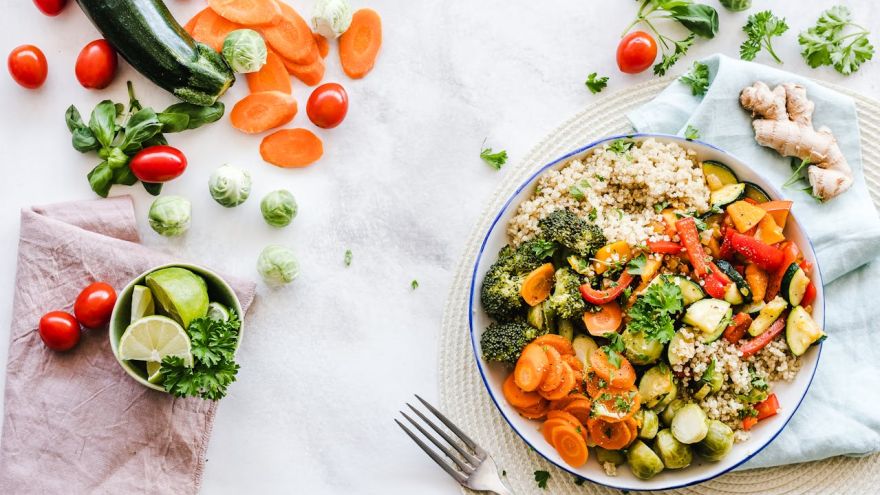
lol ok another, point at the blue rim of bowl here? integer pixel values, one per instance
(478, 359)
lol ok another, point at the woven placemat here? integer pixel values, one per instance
(464, 397)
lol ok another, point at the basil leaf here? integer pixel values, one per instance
(157, 140)
(103, 122)
(140, 127)
(101, 178)
(198, 115)
(173, 122)
(701, 19)
(124, 176)
(153, 188)
(73, 119)
(82, 138)
(117, 159)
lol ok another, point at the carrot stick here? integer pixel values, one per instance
(555, 370)
(310, 74)
(517, 397)
(262, 111)
(323, 45)
(607, 319)
(291, 37)
(571, 445)
(537, 285)
(557, 342)
(272, 76)
(247, 12)
(291, 148)
(211, 29)
(359, 46)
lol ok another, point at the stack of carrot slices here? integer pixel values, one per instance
(581, 407)
(293, 50)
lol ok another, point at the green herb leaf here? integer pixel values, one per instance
(697, 79)
(760, 28)
(173, 122)
(154, 188)
(592, 215)
(837, 41)
(495, 160)
(691, 133)
(101, 179)
(709, 374)
(140, 127)
(595, 83)
(102, 122)
(541, 477)
(414, 284)
(659, 207)
(214, 367)
(197, 115)
(700, 19)
(636, 266)
(614, 347)
(543, 248)
(347, 258)
(654, 312)
(620, 146)
(668, 60)
(577, 189)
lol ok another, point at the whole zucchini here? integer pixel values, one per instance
(146, 35)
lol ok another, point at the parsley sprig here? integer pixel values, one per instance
(691, 133)
(760, 28)
(214, 367)
(595, 83)
(614, 347)
(495, 160)
(837, 41)
(654, 312)
(541, 477)
(697, 79)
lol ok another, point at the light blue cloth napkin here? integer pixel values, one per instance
(841, 413)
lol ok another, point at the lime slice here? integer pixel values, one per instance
(141, 303)
(181, 294)
(217, 311)
(152, 338)
(153, 373)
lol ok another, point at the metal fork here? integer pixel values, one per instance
(475, 468)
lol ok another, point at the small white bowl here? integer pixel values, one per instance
(790, 394)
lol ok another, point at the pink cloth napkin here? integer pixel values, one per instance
(75, 422)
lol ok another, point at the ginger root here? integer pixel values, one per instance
(785, 124)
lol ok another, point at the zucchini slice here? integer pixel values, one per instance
(753, 307)
(584, 345)
(767, 316)
(794, 284)
(707, 338)
(801, 331)
(726, 195)
(565, 328)
(721, 171)
(706, 315)
(742, 292)
(754, 191)
(691, 291)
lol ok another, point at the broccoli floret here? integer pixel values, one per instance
(500, 292)
(573, 232)
(566, 299)
(504, 341)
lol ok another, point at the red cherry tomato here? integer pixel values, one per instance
(636, 52)
(28, 66)
(96, 65)
(94, 305)
(327, 105)
(50, 7)
(158, 164)
(59, 330)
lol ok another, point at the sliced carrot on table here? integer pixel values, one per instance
(607, 319)
(558, 342)
(517, 397)
(623, 376)
(262, 111)
(291, 37)
(247, 12)
(611, 436)
(291, 148)
(359, 45)
(211, 29)
(272, 76)
(571, 445)
(565, 387)
(553, 377)
(537, 285)
(190, 25)
(531, 367)
(323, 45)
(310, 74)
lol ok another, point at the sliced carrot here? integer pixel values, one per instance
(262, 111)
(607, 319)
(580, 409)
(595, 385)
(571, 445)
(323, 45)
(310, 74)
(517, 397)
(548, 426)
(211, 29)
(565, 387)
(537, 411)
(611, 436)
(272, 76)
(568, 399)
(247, 12)
(553, 377)
(633, 426)
(616, 405)
(618, 377)
(359, 45)
(531, 367)
(291, 37)
(575, 363)
(570, 419)
(537, 285)
(558, 342)
(190, 25)
(291, 148)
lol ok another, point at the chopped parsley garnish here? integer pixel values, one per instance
(709, 375)
(591, 216)
(691, 133)
(658, 207)
(620, 146)
(542, 248)
(595, 83)
(347, 258)
(636, 266)
(613, 349)
(697, 79)
(213, 368)
(541, 477)
(654, 312)
(577, 190)
(494, 160)
(414, 284)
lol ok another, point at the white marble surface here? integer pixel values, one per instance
(328, 361)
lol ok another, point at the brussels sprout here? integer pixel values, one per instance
(668, 414)
(680, 349)
(565, 328)
(718, 441)
(230, 186)
(641, 350)
(277, 265)
(656, 384)
(643, 462)
(170, 215)
(278, 208)
(689, 424)
(736, 5)
(650, 424)
(331, 18)
(584, 345)
(244, 50)
(674, 454)
(615, 457)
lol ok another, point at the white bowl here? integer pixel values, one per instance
(790, 394)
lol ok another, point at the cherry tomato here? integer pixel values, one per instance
(28, 66)
(50, 7)
(636, 52)
(94, 305)
(158, 164)
(327, 105)
(59, 330)
(96, 65)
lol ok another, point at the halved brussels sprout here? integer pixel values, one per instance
(656, 384)
(718, 441)
(615, 457)
(643, 461)
(668, 413)
(689, 424)
(641, 350)
(650, 424)
(674, 454)
(584, 345)
(565, 328)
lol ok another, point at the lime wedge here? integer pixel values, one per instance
(153, 373)
(181, 294)
(217, 311)
(141, 303)
(152, 338)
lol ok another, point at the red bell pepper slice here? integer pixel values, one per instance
(664, 247)
(751, 347)
(790, 254)
(765, 256)
(726, 251)
(737, 328)
(715, 285)
(768, 407)
(690, 238)
(749, 422)
(809, 295)
(595, 296)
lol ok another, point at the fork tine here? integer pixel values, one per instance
(459, 477)
(470, 458)
(449, 424)
(461, 465)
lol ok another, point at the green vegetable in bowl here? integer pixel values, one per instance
(170, 215)
(674, 454)
(644, 463)
(503, 342)
(244, 50)
(736, 5)
(230, 186)
(656, 385)
(650, 424)
(640, 349)
(718, 441)
(615, 457)
(689, 424)
(279, 208)
(277, 265)
(331, 18)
